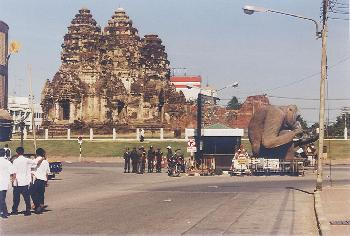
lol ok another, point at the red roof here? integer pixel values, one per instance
(185, 79)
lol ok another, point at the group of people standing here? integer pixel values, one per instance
(137, 158)
(28, 177)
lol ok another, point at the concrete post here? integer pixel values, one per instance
(345, 133)
(25, 133)
(137, 134)
(161, 133)
(91, 134)
(46, 134)
(114, 134)
(68, 134)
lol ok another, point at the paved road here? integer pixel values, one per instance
(100, 199)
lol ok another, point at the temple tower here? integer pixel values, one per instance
(122, 46)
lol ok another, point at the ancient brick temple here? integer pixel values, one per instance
(111, 76)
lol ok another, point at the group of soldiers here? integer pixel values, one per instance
(138, 158)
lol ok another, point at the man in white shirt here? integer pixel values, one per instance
(6, 170)
(41, 176)
(22, 167)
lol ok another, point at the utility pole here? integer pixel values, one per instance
(32, 104)
(199, 128)
(322, 94)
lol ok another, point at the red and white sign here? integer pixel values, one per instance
(191, 145)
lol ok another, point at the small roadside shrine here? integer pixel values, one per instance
(218, 145)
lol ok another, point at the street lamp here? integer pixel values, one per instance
(319, 34)
(249, 10)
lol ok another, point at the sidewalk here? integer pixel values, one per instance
(335, 202)
(332, 204)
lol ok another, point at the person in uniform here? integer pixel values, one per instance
(126, 160)
(22, 178)
(6, 171)
(150, 159)
(142, 162)
(41, 177)
(169, 154)
(134, 159)
(159, 157)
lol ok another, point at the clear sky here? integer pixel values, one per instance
(211, 38)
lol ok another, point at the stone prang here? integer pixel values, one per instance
(111, 76)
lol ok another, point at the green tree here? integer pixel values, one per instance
(336, 129)
(233, 104)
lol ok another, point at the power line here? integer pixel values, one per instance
(309, 99)
(300, 80)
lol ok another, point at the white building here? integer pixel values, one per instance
(19, 108)
(191, 86)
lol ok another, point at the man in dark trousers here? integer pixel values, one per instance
(142, 160)
(159, 157)
(150, 159)
(41, 177)
(127, 156)
(134, 160)
(22, 178)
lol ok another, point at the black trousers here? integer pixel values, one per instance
(134, 166)
(3, 207)
(159, 166)
(38, 192)
(150, 165)
(17, 191)
(127, 165)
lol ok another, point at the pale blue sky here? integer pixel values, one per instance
(214, 39)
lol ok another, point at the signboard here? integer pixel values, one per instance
(191, 145)
(80, 140)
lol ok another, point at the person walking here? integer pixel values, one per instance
(134, 160)
(142, 135)
(127, 160)
(22, 178)
(41, 177)
(150, 159)
(7, 152)
(6, 171)
(159, 157)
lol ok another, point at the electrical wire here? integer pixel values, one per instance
(299, 80)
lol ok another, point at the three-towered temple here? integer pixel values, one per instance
(111, 76)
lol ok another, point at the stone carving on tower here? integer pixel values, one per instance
(110, 76)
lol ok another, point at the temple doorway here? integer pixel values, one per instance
(64, 110)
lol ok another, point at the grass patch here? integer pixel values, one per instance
(94, 148)
(337, 149)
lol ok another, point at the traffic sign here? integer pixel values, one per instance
(191, 149)
(191, 142)
(80, 140)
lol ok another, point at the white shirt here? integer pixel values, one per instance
(22, 167)
(6, 169)
(42, 170)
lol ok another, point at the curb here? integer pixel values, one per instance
(322, 222)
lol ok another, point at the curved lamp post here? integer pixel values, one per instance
(249, 10)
